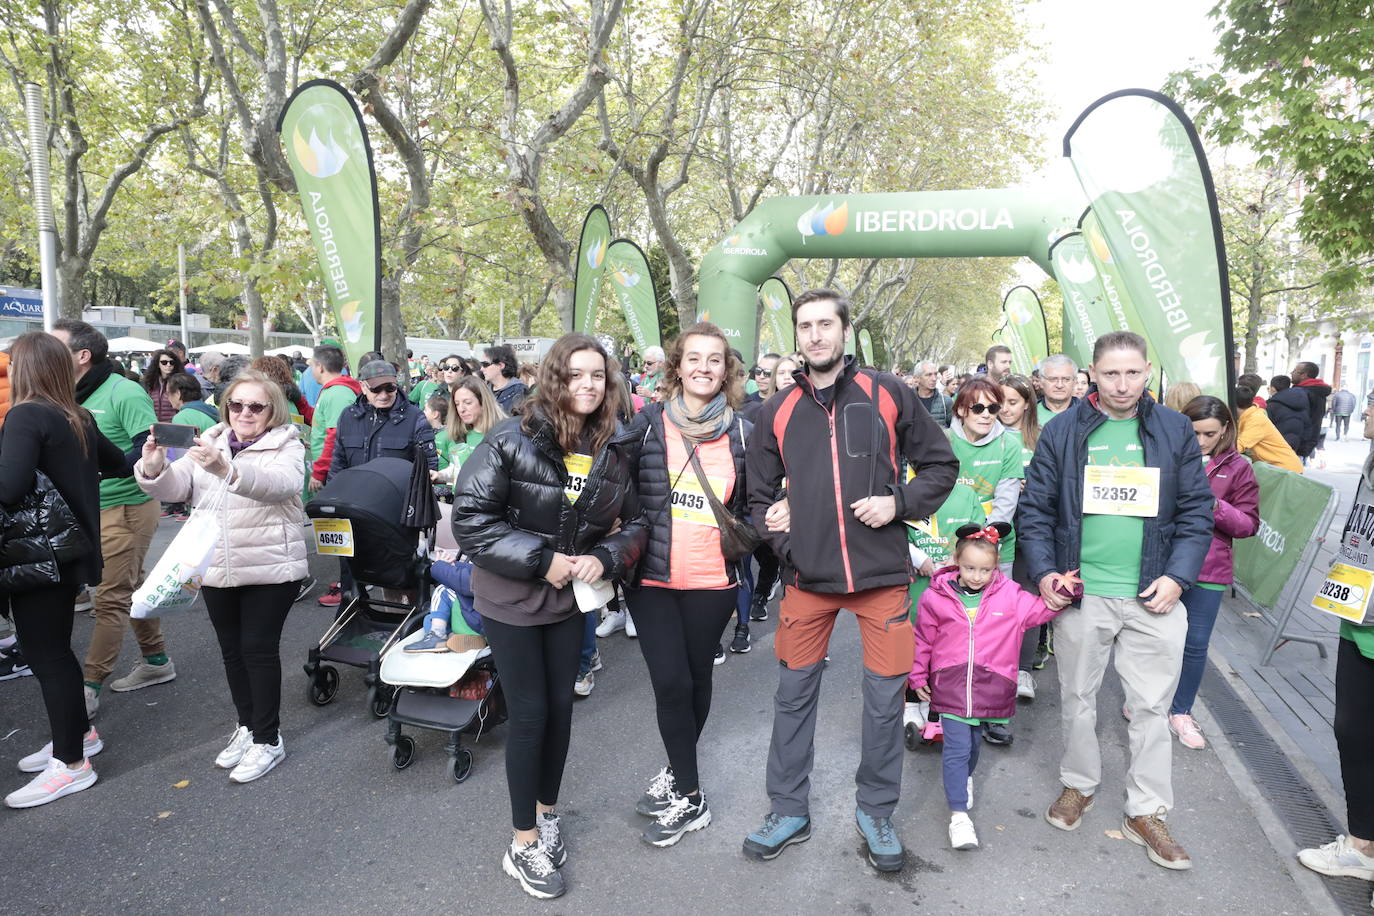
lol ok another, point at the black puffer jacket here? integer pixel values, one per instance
(510, 513)
(655, 488)
(1288, 409)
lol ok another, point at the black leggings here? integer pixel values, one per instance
(537, 666)
(1354, 736)
(43, 625)
(248, 620)
(679, 632)
(768, 572)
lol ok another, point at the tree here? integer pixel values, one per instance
(1293, 86)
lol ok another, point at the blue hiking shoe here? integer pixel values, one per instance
(776, 834)
(884, 849)
(432, 642)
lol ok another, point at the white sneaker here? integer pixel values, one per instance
(145, 675)
(92, 701)
(961, 832)
(912, 715)
(239, 743)
(38, 762)
(56, 780)
(614, 620)
(1025, 685)
(584, 684)
(258, 760)
(968, 790)
(630, 630)
(1339, 859)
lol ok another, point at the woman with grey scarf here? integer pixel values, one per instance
(686, 588)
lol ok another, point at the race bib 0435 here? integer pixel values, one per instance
(1112, 490)
(689, 500)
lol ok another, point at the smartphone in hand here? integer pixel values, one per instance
(175, 435)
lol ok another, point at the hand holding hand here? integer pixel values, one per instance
(1161, 595)
(778, 517)
(560, 570)
(588, 569)
(875, 511)
(926, 569)
(1053, 598)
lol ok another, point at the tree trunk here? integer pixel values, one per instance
(71, 286)
(389, 316)
(1252, 328)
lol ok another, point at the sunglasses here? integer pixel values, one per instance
(388, 388)
(166, 362)
(981, 408)
(485, 364)
(253, 407)
(451, 367)
(762, 372)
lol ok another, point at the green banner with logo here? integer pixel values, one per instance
(326, 145)
(1007, 222)
(1121, 308)
(627, 270)
(1086, 316)
(777, 334)
(1025, 332)
(1140, 161)
(591, 267)
(866, 347)
(1291, 505)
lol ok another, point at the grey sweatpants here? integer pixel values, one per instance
(792, 751)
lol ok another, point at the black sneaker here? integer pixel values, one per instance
(1042, 655)
(659, 794)
(12, 664)
(720, 655)
(997, 733)
(758, 610)
(682, 815)
(306, 585)
(740, 644)
(530, 865)
(551, 837)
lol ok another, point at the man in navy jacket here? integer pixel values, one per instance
(1117, 492)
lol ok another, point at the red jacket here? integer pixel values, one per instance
(1237, 513)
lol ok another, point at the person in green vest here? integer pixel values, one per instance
(337, 391)
(123, 413)
(990, 463)
(473, 411)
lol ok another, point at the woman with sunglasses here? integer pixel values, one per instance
(161, 367)
(255, 572)
(990, 463)
(545, 499)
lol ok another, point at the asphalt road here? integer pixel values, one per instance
(336, 829)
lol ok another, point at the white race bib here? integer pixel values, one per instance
(689, 500)
(1112, 490)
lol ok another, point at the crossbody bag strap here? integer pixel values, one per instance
(717, 507)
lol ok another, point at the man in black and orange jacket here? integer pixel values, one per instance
(836, 443)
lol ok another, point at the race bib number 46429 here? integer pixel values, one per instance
(333, 536)
(1112, 490)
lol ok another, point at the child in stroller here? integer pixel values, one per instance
(452, 624)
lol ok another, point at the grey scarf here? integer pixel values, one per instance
(715, 418)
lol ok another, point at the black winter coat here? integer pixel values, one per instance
(364, 433)
(1288, 410)
(654, 479)
(511, 515)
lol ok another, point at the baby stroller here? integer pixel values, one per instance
(454, 692)
(363, 507)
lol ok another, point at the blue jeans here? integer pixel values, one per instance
(745, 593)
(1202, 605)
(588, 642)
(958, 759)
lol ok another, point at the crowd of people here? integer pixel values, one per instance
(977, 525)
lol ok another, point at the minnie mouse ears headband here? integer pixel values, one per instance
(992, 533)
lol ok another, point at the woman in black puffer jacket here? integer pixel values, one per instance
(546, 498)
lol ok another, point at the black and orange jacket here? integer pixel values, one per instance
(828, 456)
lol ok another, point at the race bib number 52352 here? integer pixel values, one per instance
(1112, 490)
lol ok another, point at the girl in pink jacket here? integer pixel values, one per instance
(969, 625)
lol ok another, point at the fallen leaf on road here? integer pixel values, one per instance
(181, 785)
(1000, 827)
(1114, 834)
(1253, 614)
(163, 814)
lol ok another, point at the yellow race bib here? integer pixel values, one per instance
(578, 467)
(1345, 592)
(333, 536)
(689, 500)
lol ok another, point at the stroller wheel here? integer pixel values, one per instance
(913, 736)
(323, 686)
(460, 767)
(403, 754)
(379, 700)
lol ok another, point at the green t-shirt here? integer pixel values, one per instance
(442, 445)
(1362, 637)
(122, 410)
(982, 467)
(1110, 557)
(935, 535)
(333, 399)
(1044, 413)
(459, 451)
(190, 416)
(421, 392)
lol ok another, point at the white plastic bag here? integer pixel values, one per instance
(174, 583)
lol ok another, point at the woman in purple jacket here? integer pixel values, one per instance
(1236, 509)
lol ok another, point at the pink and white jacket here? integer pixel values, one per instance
(970, 667)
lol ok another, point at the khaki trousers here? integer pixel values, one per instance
(1149, 655)
(125, 533)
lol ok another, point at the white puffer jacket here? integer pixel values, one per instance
(261, 541)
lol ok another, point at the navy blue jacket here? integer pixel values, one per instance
(1050, 512)
(364, 433)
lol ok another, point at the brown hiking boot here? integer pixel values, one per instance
(1068, 809)
(1150, 831)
